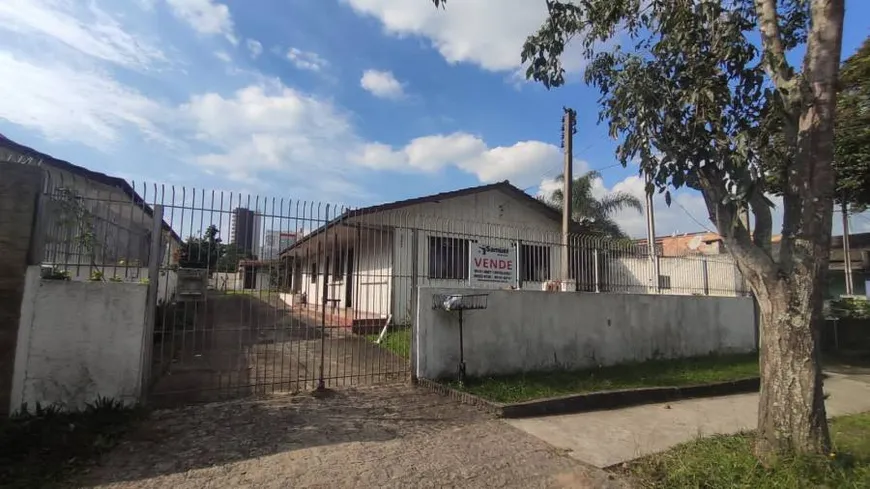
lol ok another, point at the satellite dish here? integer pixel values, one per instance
(694, 243)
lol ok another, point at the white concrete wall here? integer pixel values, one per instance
(78, 341)
(635, 275)
(225, 281)
(524, 331)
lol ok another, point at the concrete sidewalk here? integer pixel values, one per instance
(605, 438)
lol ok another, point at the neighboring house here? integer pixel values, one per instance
(90, 219)
(706, 243)
(371, 259)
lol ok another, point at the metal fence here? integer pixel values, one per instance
(256, 295)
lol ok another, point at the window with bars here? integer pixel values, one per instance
(314, 273)
(448, 258)
(535, 263)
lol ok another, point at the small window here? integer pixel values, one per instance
(314, 273)
(535, 263)
(664, 281)
(448, 258)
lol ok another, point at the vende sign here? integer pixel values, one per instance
(492, 265)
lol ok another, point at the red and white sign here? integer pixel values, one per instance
(492, 265)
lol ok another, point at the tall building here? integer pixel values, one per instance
(274, 242)
(247, 228)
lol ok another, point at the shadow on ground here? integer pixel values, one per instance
(368, 437)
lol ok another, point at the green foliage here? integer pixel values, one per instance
(652, 373)
(43, 446)
(727, 462)
(686, 99)
(849, 307)
(96, 276)
(56, 274)
(852, 135)
(210, 252)
(595, 214)
(116, 279)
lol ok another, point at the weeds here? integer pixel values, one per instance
(40, 447)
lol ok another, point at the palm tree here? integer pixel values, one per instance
(596, 214)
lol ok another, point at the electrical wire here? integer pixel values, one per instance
(699, 223)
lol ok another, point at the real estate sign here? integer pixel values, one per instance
(492, 265)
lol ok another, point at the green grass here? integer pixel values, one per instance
(654, 373)
(727, 462)
(397, 341)
(44, 448)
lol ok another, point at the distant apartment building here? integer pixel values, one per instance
(247, 229)
(274, 242)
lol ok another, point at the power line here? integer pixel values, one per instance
(699, 223)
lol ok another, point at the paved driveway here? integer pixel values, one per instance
(379, 437)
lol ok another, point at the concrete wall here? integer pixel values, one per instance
(19, 187)
(525, 331)
(686, 275)
(79, 340)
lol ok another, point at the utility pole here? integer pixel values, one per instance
(651, 232)
(847, 258)
(569, 127)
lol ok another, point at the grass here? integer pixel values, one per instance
(654, 373)
(397, 341)
(42, 449)
(727, 462)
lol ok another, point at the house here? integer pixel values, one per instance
(365, 259)
(707, 243)
(368, 262)
(119, 223)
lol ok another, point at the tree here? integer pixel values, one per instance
(852, 135)
(201, 252)
(692, 100)
(596, 214)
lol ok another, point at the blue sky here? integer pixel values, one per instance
(349, 101)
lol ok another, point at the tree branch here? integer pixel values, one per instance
(775, 64)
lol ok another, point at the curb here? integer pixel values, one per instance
(595, 401)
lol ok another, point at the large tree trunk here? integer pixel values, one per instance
(791, 408)
(791, 411)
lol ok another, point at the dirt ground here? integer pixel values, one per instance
(379, 437)
(238, 345)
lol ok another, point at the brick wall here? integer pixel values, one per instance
(19, 187)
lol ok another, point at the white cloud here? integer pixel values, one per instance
(382, 84)
(73, 105)
(521, 163)
(268, 127)
(306, 60)
(223, 56)
(254, 47)
(86, 31)
(205, 16)
(483, 32)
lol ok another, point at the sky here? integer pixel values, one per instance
(356, 102)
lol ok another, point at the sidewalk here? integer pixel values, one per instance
(605, 438)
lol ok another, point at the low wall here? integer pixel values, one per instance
(524, 331)
(77, 341)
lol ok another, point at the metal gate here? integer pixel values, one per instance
(257, 296)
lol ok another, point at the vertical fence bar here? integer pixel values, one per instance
(154, 256)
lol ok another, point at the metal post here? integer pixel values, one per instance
(651, 234)
(705, 276)
(154, 258)
(519, 281)
(847, 258)
(461, 353)
(567, 195)
(596, 270)
(321, 383)
(415, 300)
